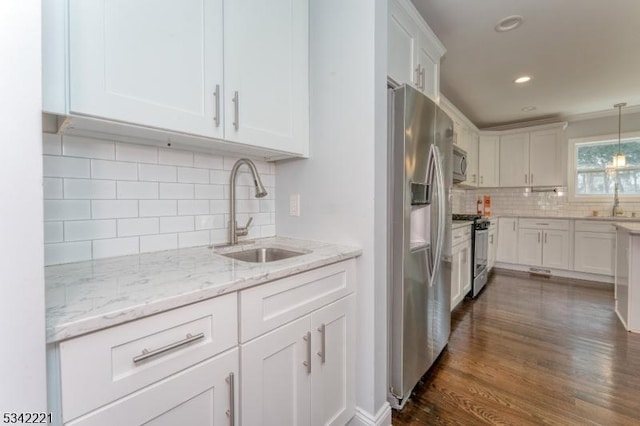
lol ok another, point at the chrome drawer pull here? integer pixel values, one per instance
(146, 354)
(307, 363)
(216, 96)
(323, 343)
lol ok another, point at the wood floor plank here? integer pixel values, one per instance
(531, 351)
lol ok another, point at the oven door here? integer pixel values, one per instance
(481, 252)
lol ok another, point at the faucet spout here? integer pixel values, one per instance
(234, 230)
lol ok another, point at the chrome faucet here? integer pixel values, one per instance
(234, 231)
(617, 210)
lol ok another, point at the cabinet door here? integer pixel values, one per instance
(429, 70)
(472, 159)
(150, 62)
(488, 161)
(465, 269)
(266, 70)
(545, 158)
(493, 243)
(507, 250)
(555, 249)
(275, 384)
(530, 247)
(200, 395)
(514, 160)
(456, 277)
(623, 275)
(594, 252)
(402, 42)
(333, 363)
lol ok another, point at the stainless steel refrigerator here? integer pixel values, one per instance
(420, 164)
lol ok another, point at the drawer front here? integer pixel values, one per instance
(266, 307)
(543, 223)
(101, 367)
(460, 234)
(595, 226)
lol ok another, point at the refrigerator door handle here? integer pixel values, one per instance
(434, 160)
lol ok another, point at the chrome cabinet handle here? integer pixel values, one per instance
(545, 238)
(514, 226)
(417, 71)
(424, 79)
(474, 178)
(526, 178)
(216, 95)
(231, 412)
(146, 354)
(322, 354)
(531, 178)
(236, 110)
(538, 236)
(481, 179)
(491, 241)
(307, 363)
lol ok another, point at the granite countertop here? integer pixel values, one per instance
(633, 228)
(460, 223)
(88, 296)
(598, 218)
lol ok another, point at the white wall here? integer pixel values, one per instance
(104, 198)
(343, 190)
(22, 357)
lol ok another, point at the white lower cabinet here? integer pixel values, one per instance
(507, 247)
(295, 364)
(301, 373)
(493, 244)
(460, 265)
(544, 243)
(594, 247)
(529, 247)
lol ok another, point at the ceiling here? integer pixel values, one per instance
(583, 56)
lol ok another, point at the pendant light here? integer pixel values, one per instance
(619, 160)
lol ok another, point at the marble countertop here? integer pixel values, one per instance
(88, 296)
(460, 223)
(598, 218)
(633, 228)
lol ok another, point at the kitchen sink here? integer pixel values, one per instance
(262, 254)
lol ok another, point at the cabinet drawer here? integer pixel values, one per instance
(595, 226)
(101, 367)
(268, 306)
(460, 234)
(543, 223)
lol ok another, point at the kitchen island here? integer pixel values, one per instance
(627, 278)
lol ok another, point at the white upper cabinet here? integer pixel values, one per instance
(150, 62)
(473, 178)
(489, 161)
(232, 70)
(532, 157)
(514, 160)
(414, 51)
(266, 72)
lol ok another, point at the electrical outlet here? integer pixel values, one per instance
(294, 205)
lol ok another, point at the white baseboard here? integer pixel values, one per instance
(381, 418)
(604, 279)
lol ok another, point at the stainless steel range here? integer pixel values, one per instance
(479, 250)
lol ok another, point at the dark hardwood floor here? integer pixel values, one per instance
(530, 351)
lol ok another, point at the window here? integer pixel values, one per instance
(593, 176)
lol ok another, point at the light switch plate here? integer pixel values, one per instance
(294, 205)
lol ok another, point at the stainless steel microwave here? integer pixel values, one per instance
(459, 164)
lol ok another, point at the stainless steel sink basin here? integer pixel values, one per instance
(262, 254)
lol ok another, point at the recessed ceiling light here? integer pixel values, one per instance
(529, 108)
(522, 79)
(509, 23)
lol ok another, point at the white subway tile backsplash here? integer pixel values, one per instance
(193, 207)
(105, 198)
(66, 167)
(51, 144)
(115, 247)
(136, 153)
(191, 175)
(105, 209)
(113, 170)
(89, 189)
(137, 190)
(52, 188)
(82, 230)
(53, 232)
(209, 192)
(176, 224)
(176, 191)
(174, 157)
(131, 227)
(76, 146)
(193, 239)
(156, 173)
(205, 161)
(66, 210)
(55, 254)
(158, 208)
(158, 242)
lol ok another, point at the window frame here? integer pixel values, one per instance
(572, 169)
